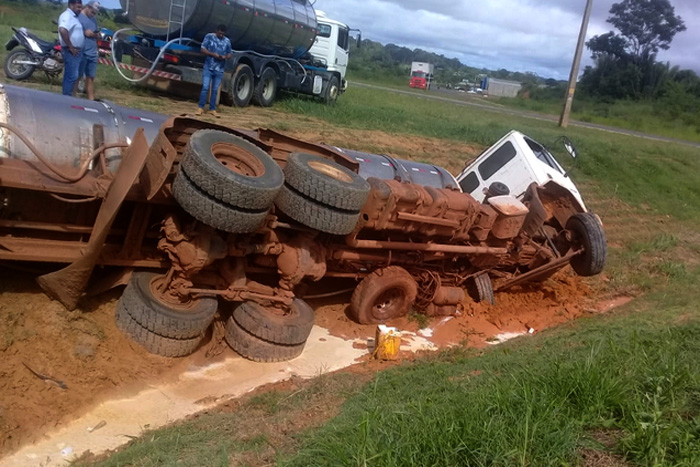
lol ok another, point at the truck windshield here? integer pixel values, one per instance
(542, 154)
(418, 74)
(324, 30)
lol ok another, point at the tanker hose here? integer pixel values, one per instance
(150, 71)
(69, 178)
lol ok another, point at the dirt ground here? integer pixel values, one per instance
(85, 352)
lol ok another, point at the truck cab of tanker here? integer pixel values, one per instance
(516, 161)
(332, 45)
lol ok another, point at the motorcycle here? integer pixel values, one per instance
(35, 54)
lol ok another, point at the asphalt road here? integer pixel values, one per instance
(522, 113)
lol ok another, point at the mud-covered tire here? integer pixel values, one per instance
(326, 181)
(177, 321)
(241, 86)
(213, 212)
(256, 349)
(152, 342)
(232, 170)
(480, 288)
(588, 233)
(290, 329)
(17, 71)
(385, 294)
(314, 214)
(266, 88)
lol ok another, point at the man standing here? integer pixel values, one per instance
(217, 48)
(88, 62)
(70, 33)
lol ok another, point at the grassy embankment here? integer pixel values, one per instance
(624, 386)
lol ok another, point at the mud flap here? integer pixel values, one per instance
(68, 284)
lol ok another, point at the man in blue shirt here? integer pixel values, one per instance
(88, 62)
(70, 33)
(217, 47)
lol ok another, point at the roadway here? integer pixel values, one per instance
(527, 114)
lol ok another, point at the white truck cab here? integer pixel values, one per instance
(516, 160)
(332, 45)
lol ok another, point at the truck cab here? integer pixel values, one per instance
(516, 160)
(332, 45)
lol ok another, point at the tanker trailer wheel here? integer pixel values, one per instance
(232, 170)
(385, 294)
(314, 214)
(147, 302)
(15, 67)
(242, 85)
(332, 91)
(587, 233)
(275, 326)
(256, 349)
(213, 212)
(480, 288)
(266, 88)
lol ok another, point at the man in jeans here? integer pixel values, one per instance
(88, 62)
(217, 47)
(70, 33)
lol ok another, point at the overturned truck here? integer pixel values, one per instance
(188, 213)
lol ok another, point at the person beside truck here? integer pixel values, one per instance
(88, 60)
(72, 38)
(217, 47)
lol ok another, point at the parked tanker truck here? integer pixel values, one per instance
(189, 214)
(278, 45)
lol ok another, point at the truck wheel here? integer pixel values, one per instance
(162, 314)
(256, 349)
(242, 85)
(15, 69)
(480, 288)
(383, 295)
(588, 234)
(330, 96)
(232, 170)
(213, 212)
(266, 88)
(326, 181)
(314, 214)
(152, 342)
(290, 329)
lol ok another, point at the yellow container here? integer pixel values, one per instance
(387, 343)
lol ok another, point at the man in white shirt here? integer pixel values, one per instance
(71, 35)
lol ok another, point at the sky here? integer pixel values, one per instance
(519, 35)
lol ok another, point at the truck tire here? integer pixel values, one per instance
(314, 214)
(150, 310)
(326, 181)
(213, 212)
(385, 294)
(256, 349)
(332, 91)
(242, 85)
(293, 328)
(266, 88)
(588, 234)
(232, 170)
(480, 288)
(15, 70)
(152, 342)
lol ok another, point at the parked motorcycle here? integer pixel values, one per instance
(35, 53)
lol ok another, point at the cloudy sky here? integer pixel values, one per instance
(519, 35)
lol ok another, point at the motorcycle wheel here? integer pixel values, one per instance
(16, 70)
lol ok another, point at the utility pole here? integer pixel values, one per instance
(564, 119)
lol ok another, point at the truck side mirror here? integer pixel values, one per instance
(569, 147)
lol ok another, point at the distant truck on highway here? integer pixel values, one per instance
(421, 75)
(278, 45)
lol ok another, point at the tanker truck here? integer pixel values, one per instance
(189, 214)
(278, 45)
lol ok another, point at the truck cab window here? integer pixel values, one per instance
(495, 161)
(469, 183)
(343, 38)
(542, 154)
(324, 30)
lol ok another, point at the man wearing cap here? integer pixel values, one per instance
(88, 62)
(70, 33)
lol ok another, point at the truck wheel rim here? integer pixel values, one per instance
(388, 304)
(244, 86)
(268, 89)
(167, 296)
(333, 92)
(330, 171)
(238, 160)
